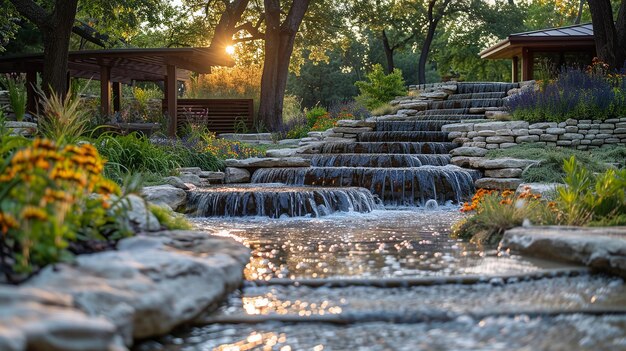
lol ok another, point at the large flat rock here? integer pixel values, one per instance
(600, 248)
(150, 285)
(268, 162)
(498, 183)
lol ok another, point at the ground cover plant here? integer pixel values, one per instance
(595, 93)
(550, 168)
(584, 199)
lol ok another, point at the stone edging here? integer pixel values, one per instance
(153, 283)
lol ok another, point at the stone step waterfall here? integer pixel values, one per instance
(402, 160)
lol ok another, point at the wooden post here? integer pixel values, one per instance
(31, 98)
(515, 69)
(527, 64)
(171, 98)
(105, 90)
(117, 96)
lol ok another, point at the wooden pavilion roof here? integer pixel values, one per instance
(126, 64)
(571, 37)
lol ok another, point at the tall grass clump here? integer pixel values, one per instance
(17, 95)
(63, 119)
(577, 94)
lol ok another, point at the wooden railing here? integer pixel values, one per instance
(218, 115)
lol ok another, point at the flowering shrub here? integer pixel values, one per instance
(225, 149)
(585, 199)
(590, 94)
(46, 203)
(326, 122)
(493, 212)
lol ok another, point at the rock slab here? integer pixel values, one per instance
(599, 248)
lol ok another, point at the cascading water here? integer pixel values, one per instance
(427, 136)
(388, 148)
(395, 186)
(379, 160)
(276, 201)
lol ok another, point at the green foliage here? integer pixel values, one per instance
(17, 95)
(314, 114)
(380, 88)
(134, 153)
(169, 219)
(550, 169)
(298, 132)
(64, 119)
(587, 197)
(8, 142)
(48, 210)
(496, 212)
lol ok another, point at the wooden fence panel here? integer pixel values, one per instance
(218, 115)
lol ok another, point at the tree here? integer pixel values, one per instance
(279, 44)
(436, 10)
(55, 26)
(610, 36)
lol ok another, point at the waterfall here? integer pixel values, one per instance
(379, 160)
(395, 186)
(388, 148)
(276, 201)
(423, 136)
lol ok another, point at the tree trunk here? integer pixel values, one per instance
(421, 69)
(579, 16)
(279, 42)
(388, 53)
(610, 37)
(56, 29)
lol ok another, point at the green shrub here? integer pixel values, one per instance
(298, 132)
(17, 96)
(586, 197)
(313, 114)
(379, 88)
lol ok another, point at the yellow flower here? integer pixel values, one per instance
(7, 222)
(32, 212)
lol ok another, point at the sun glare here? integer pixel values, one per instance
(230, 49)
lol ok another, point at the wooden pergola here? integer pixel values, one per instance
(115, 67)
(563, 43)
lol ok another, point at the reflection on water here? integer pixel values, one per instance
(379, 244)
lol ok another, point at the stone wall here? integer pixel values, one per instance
(252, 138)
(579, 134)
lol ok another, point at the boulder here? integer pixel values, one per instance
(176, 183)
(268, 162)
(498, 183)
(602, 249)
(151, 284)
(213, 177)
(168, 195)
(26, 129)
(501, 125)
(499, 163)
(34, 319)
(463, 161)
(458, 127)
(281, 153)
(237, 175)
(353, 123)
(504, 173)
(469, 151)
(435, 95)
(351, 130)
(192, 178)
(192, 170)
(414, 105)
(139, 214)
(292, 142)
